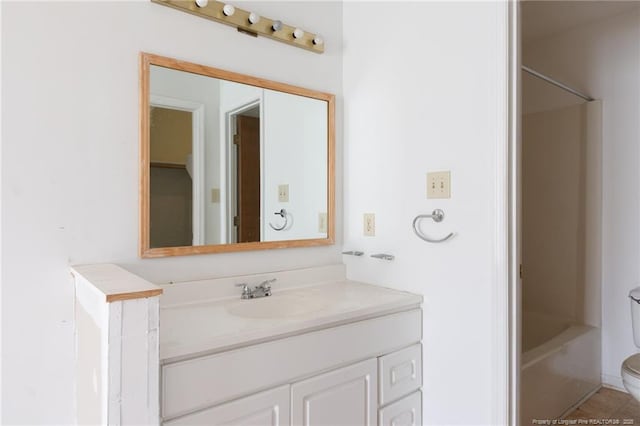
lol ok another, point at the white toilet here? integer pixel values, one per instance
(631, 366)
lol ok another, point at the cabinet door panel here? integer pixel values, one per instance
(269, 408)
(344, 397)
(406, 412)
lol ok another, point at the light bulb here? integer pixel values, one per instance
(276, 26)
(254, 18)
(318, 41)
(298, 33)
(228, 10)
(202, 3)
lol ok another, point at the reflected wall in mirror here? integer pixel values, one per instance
(231, 162)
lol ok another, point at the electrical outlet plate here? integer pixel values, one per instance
(283, 193)
(439, 185)
(369, 225)
(322, 222)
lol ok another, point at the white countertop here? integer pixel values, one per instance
(197, 328)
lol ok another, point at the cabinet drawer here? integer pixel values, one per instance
(399, 373)
(406, 412)
(269, 408)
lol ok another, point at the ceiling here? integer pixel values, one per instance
(545, 18)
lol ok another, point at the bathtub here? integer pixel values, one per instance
(560, 365)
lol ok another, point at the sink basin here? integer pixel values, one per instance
(277, 306)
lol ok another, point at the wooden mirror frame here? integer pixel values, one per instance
(145, 250)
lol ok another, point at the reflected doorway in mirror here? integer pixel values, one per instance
(244, 169)
(176, 201)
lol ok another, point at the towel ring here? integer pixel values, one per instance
(437, 215)
(283, 214)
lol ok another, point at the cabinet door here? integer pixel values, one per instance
(269, 408)
(343, 397)
(406, 412)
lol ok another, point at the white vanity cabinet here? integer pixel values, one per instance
(321, 351)
(363, 373)
(324, 351)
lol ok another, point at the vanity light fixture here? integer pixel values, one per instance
(254, 18)
(228, 10)
(276, 25)
(247, 22)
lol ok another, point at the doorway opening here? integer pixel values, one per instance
(579, 103)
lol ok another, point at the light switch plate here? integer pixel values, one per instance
(283, 193)
(439, 185)
(369, 224)
(322, 222)
(215, 195)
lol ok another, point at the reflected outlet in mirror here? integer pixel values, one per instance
(223, 154)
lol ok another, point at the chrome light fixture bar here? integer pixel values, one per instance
(248, 22)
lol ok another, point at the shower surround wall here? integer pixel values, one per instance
(561, 213)
(561, 228)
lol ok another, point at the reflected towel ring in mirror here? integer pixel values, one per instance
(438, 216)
(283, 214)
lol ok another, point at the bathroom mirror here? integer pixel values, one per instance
(231, 162)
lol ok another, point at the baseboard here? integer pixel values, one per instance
(609, 382)
(613, 382)
(579, 403)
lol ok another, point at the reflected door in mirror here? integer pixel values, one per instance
(247, 143)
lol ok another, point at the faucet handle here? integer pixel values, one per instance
(267, 283)
(246, 291)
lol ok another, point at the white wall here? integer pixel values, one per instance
(70, 164)
(603, 60)
(288, 120)
(424, 91)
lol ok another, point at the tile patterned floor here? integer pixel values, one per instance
(609, 406)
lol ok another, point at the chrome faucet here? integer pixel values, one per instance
(261, 290)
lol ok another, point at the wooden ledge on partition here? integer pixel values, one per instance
(116, 283)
